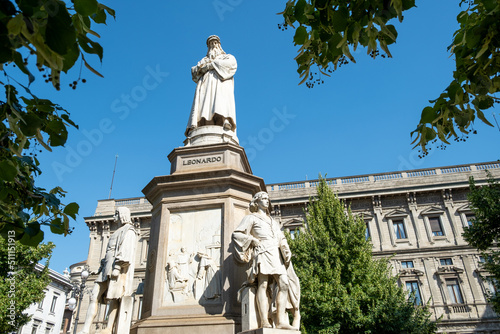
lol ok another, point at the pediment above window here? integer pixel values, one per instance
(396, 214)
(432, 211)
(449, 270)
(293, 223)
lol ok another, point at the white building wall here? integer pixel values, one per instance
(47, 317)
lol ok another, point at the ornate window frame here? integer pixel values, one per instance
(449, 272)
(433, 212)
(406, 275)
(464, 211)
(397, 215)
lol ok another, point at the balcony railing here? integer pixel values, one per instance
(386, 176)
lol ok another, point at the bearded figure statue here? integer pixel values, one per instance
(213, 102)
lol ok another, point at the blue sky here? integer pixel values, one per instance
(357, 122)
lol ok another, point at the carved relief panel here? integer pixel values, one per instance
(194, 258)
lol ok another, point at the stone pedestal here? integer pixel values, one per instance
(210, 134)
(192, 279)
(125, 314)
(249, 317)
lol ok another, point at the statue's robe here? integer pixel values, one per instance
(271, 257)
(214, 91)
(120, 251)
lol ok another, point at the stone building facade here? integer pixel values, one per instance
(47, 316)
(415, 217)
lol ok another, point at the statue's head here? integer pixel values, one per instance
(257, 198)
(214, 47)
(122, 214)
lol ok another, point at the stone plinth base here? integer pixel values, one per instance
(185, 325)
(125, 314)
(210, 134)
(202, 158)
(270, 331)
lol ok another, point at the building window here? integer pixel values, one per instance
(40, 304)
(454, 291)
(469, 217)
(48, 329)
(399, 229)
(436, 227)
(407, 264)
(36, 324)
(294, 233)
(53, 305)
(446, 262)
(367, 231)
(414, 292)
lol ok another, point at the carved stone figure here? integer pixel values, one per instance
(259, 241)
(175, 280)
(213, 102)
(116, 274)
(208, 271)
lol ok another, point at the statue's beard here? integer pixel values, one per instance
(215, 51)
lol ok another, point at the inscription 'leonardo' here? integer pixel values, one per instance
(199, 161)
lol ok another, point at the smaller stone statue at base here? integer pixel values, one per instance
(259, 241)
(115, 276)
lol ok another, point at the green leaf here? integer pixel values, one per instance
(33, 235)
(300, 35)
(29, 7)
(56, 226)
(109, 10)
(339, 19)
(71, 57)
(85, 7)
(60, 34)
(7, 8)
(18, 59)
(32, 123)
(16, 24)
(8, 171)
(90, 46)
(100, 16)
(58, 134)
(72, 209)
(428, 115)
(300, 11)
(482, 118)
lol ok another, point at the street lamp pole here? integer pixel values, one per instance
(79, 291)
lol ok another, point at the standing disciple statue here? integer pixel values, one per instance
(213, 102)
(116, 274)
(259, 240)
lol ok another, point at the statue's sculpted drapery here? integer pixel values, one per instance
(259, 241)
(213, 102)
(115, 277)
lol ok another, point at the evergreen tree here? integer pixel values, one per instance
(343, 289)
(20, 284)
(485, 231)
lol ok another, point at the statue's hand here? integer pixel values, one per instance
(115, 273)
(255, 242)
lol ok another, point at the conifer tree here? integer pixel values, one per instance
(343, 289)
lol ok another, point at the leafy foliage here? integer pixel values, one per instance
(343, 289)
(57, 36)
(329, 29)
(20, 284)
(485, 230)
